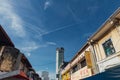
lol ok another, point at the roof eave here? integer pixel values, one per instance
(10, 43)
(104, 25)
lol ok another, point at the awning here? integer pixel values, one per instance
(109, 74)
(14, 75)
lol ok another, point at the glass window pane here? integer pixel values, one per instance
(108, 47)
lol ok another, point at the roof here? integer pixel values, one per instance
(64, 64)
(79, 52)
(103, 28)
(99, 33)
(4, 39)
(24, 58)
(106, 26)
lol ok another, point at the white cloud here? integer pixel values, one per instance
(28, 54)
(51, 43)
(58, 29)
(14, 26)
(46, 67)
(10, 18)
(28, 47)
(47, 5)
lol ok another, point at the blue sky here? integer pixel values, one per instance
(38, 27)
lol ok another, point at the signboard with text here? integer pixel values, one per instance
(82, 73)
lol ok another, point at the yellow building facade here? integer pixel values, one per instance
(66, 76)
(106, 43)
(80, 66)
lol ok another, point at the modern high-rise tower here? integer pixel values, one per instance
(59, 61)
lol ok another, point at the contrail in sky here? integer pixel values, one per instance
(61, 28)
(73, 14)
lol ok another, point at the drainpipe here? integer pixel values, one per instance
(1, 51)
(94, 59)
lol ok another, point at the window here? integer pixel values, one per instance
(83, 63)
(108, 47)
(57, 75)
(74, 69)
(79, 65)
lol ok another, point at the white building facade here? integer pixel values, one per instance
(106, 43)
(59, 61)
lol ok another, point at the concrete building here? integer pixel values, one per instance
(99, 54)
(80, 66)
(106, 41)
(59, 61)
(8, 59)
(14, 65)
(45, 75)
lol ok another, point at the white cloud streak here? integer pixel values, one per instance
(28, 47)
(51, 43)
(15, 27)
(73, 14)
(9, 17)
(47, 4)
(60, 28)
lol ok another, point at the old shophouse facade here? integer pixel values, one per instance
(100, 52)
(80, 66)
(14, 65)
(106, 43)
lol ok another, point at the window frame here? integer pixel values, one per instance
(83, 61)
(80, 66)
(108, 47)
(74, 68)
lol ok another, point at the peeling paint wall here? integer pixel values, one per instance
(8, 59)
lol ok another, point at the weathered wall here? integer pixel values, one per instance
(8, 59)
